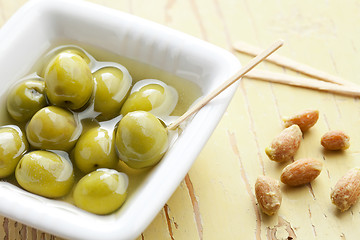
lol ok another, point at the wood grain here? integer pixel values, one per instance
(216, 199)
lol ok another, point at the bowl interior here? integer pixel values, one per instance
(39, 26)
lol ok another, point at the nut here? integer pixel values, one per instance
(335, 140)
(304, 120)
(347, 190)
(268, 194)
(301, 172)
(284, 146)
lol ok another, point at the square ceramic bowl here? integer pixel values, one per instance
(35, 28)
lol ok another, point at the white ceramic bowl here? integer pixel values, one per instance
(38, 26)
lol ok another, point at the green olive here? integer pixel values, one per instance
(95, 149)
(141, 139)
(45, 173)
(154, 96)
(13, 145)
(71, 50)
(68, 81)
(102, 191)
(112, 87)
(53, 128)
(78, 52)
(25, 99)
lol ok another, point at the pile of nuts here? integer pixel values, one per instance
(283, 148)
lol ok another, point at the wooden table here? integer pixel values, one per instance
(216, 199)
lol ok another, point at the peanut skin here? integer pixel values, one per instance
(304, 120)
(268, 194)
(347, 190)
(301, 172)
(335, 140)
(284, 146)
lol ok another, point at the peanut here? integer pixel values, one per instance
(268, 194)
(304, 120)
(301, 172)
(284, 146)
(335, 140)
(347, 190)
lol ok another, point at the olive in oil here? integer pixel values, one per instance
(188, 93)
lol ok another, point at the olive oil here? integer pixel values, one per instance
(188, 93)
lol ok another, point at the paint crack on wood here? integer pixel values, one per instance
(252, 127)
(337, 105)
(42, 237)
(232, 139)
(168, 221)
(309, 186)
(175, 223)
(34, 233)
(23, 231)
(283, 230)
(6, 228)
(195, 205)
(312, 224)
(168, 6)
(326, 122)
(224, 25)
(195, 9)
(328, 173)
(276, 102)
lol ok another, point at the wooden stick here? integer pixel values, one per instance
(303, 82)
(293, 65)
(245, 69)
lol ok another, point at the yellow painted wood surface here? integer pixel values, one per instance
(216, 199)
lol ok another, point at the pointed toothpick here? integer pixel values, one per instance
(245, 69)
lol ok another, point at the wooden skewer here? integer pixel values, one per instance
(293, 65)
(245, 69)
(302, 82)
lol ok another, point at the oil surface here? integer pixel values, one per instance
(188, 92)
